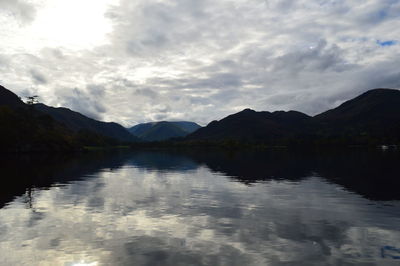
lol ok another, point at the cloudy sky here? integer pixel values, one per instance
(133, 61)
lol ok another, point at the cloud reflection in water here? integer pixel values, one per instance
(143, 215)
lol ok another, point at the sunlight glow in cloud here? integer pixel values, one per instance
(85, 264)
(73, 24)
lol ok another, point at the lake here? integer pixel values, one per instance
(201, 207)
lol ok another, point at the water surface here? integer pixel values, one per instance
(201, 208)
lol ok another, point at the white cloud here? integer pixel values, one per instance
(21, 10)
(205, 59)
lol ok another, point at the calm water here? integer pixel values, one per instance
(201, 208)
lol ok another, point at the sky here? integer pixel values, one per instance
(197, 60)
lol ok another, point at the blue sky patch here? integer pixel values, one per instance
(386, 43)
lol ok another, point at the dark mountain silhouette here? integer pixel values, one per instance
(164, 130)
(23, 129)
(189, 127)
(140, 129)
(8, 98)
(78, 122)
(28, 128)
(375, 113)
(249, 125)
(369, 118)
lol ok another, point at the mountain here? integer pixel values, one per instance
(375, 113)
(189, 127)
(10, 99)
(78, 122)
(373, 117)
(23, 129)
(249, 125)
(37, 127)
(164, 130)
(141, 129)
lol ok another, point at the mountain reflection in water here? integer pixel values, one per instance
(203, 207)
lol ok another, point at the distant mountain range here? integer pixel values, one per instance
(372, 116)
(163, 130)
(78, 122)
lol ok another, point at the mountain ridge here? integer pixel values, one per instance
(251, 125)
(37, 127)
(77, 122)
(8, 98)
(372, 115)
(163, 130)
(375, 112)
